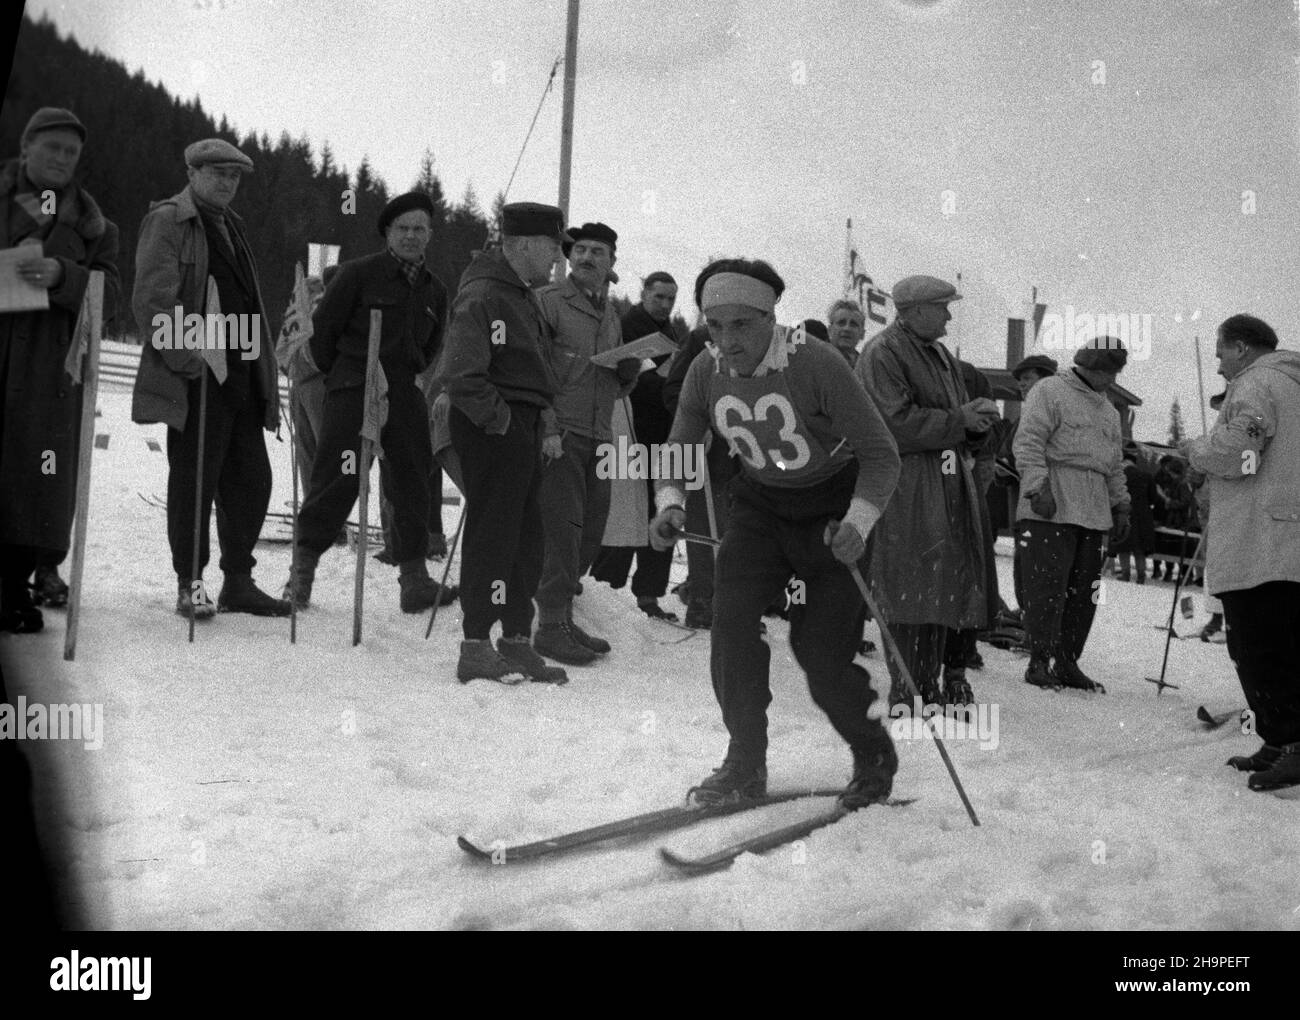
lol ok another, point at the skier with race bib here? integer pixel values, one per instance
(817, 468)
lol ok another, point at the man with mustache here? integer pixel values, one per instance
(574, 500)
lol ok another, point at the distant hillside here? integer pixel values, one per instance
(133, 156)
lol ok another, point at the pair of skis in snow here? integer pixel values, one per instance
(669, 819)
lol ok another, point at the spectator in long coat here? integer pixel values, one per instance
(40, 404)
(927, 565)
(1141, 539)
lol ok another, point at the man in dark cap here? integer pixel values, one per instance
(189, 245)
(498, 381)
(581, 323)
(40, 406)
(1072, 492)
(927, 565)
(413, 306)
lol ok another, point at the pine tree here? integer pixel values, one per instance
(1176, 432)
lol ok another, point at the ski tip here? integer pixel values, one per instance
(689, 866)
(475, 851)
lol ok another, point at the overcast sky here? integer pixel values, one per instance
(1124, 156)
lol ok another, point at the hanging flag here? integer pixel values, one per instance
(214, 334)
(376, 413)
(297, 328)
(80, 341)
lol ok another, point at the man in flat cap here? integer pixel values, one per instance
(191, 246)
(927, 566)
(40, 405)
(575, 502)
(1069, 448)
(413, 307)
(497, 379)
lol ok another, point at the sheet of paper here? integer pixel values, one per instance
(649, 346)
(17, 294)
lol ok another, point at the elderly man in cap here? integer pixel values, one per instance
(42, 207)
(1069, 447)
(575, 501)
(498, 382)
(187, 242)
(1252, 458)
(928, 564)
(413, 306)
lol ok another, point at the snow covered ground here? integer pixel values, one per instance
(247, 783)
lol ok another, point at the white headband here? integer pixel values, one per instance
(737, 289)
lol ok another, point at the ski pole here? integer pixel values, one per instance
(710, 510)
(198, 494)
(892, 649)
(446, 569)
(293, 552)
(1161, 683)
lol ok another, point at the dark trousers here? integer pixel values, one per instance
(1141, 556)
(1263, 631)
(699, 558)
(1062, 565)
(575, 504)
(921, 646)
(308, 407)
(336, 479)
(773, 534)
(614, 562)
(502, 541)
(236, 474)
(435, 502)
(958, 647)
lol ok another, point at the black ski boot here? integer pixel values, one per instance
(598, 645)
(873, 777)
(419, 590)
(19, 615)
(519, 652)
(733, 781)
(49, 589)
(1068, 674)
(654, 610)
(699, 614)
(298, 588)
(1262, 759)
(186, 592)
(480, 661)
(1039, 673)
(240, 595)
(1284, 772)
(956, 687)
(437, 546)
(557, 641)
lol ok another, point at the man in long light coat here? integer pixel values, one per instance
(927, 567)
(1252, 458)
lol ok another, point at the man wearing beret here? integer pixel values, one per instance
(185, 242)
(1069, 447)
(1252, 561)
(927, 566)
(40, 405)
(498, 382)
(413, 306)
(575, 502)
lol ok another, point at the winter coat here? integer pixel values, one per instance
(1252, 458)
(929, 563)
(41, 402)
(653, 420)
(584, 402)
(410, 326)
(171, 268)
(494, 353)
(1069, 436)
